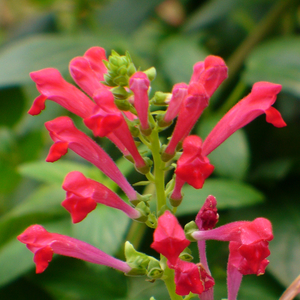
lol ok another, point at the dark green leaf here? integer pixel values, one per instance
(229, 194)
(232, 157)
(277, 61)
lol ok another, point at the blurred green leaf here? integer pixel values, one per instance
(104, 228)
(12, 104)
(229, 194)
(15, 260)
(277, 61)
(126, 15)
(42, 205)
(54, 173)
(209, 13)
(178, 54)
(285, 248)
(232, 157)
(19, 58)
(69, 278)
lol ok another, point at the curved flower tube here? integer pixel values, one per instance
(259, 101)
(107, 119)
(83, 194)
(52, 86)
(66, 136)
(44, 244)
(139, 84)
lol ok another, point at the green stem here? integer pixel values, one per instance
(236, 60)
(190, 296)
(159, 173)
(234, 97)
(170, 283)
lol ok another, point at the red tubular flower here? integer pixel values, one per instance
(211, 73)
(139, 84)
(95, 57)
(52, 86)
(187, 278)
(259, 101)
(44, 244)
(107, 119)
(66, 136)
(192, 166)
(83, 194)
(169, 238)
(179, 92)
(84, 76)
(191, 109)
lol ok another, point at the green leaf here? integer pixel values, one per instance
(229, 194)
(232, 158)
(21, 57)
(104, 228)
(277, 61)
(54, 173)
(178, 54)
(15, 260)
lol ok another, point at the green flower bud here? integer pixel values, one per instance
(189, 228)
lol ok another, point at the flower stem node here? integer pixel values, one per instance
(189, 229)
(146, 168)
(144, 209)
(186, 255)
(160, 98)
(136, 260)
(161, 122)
(166, 156)
(175, 202)
(154, 269)
(120, 93)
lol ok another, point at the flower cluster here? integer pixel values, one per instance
(113, 102)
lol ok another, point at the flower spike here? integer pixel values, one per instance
(44, 244)
(259, 101)
(66, 136)
(83, 194)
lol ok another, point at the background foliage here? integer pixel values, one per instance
(256, 170)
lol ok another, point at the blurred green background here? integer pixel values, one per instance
(256, 170)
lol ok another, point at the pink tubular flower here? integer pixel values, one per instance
(88, 70)
(191, 109)
(139, 84)
(83, 194)
(248, 246)
(211, 73)
(44, 244)
(66, 136)
(107, 120)
(52, 86)
(169, 238)
(192, 166)
(259, 101)
(187, 278)
(179, 92)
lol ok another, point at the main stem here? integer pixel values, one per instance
(170, 283)
(159, 173)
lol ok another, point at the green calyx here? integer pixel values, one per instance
(189, 229)
(119, 69)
